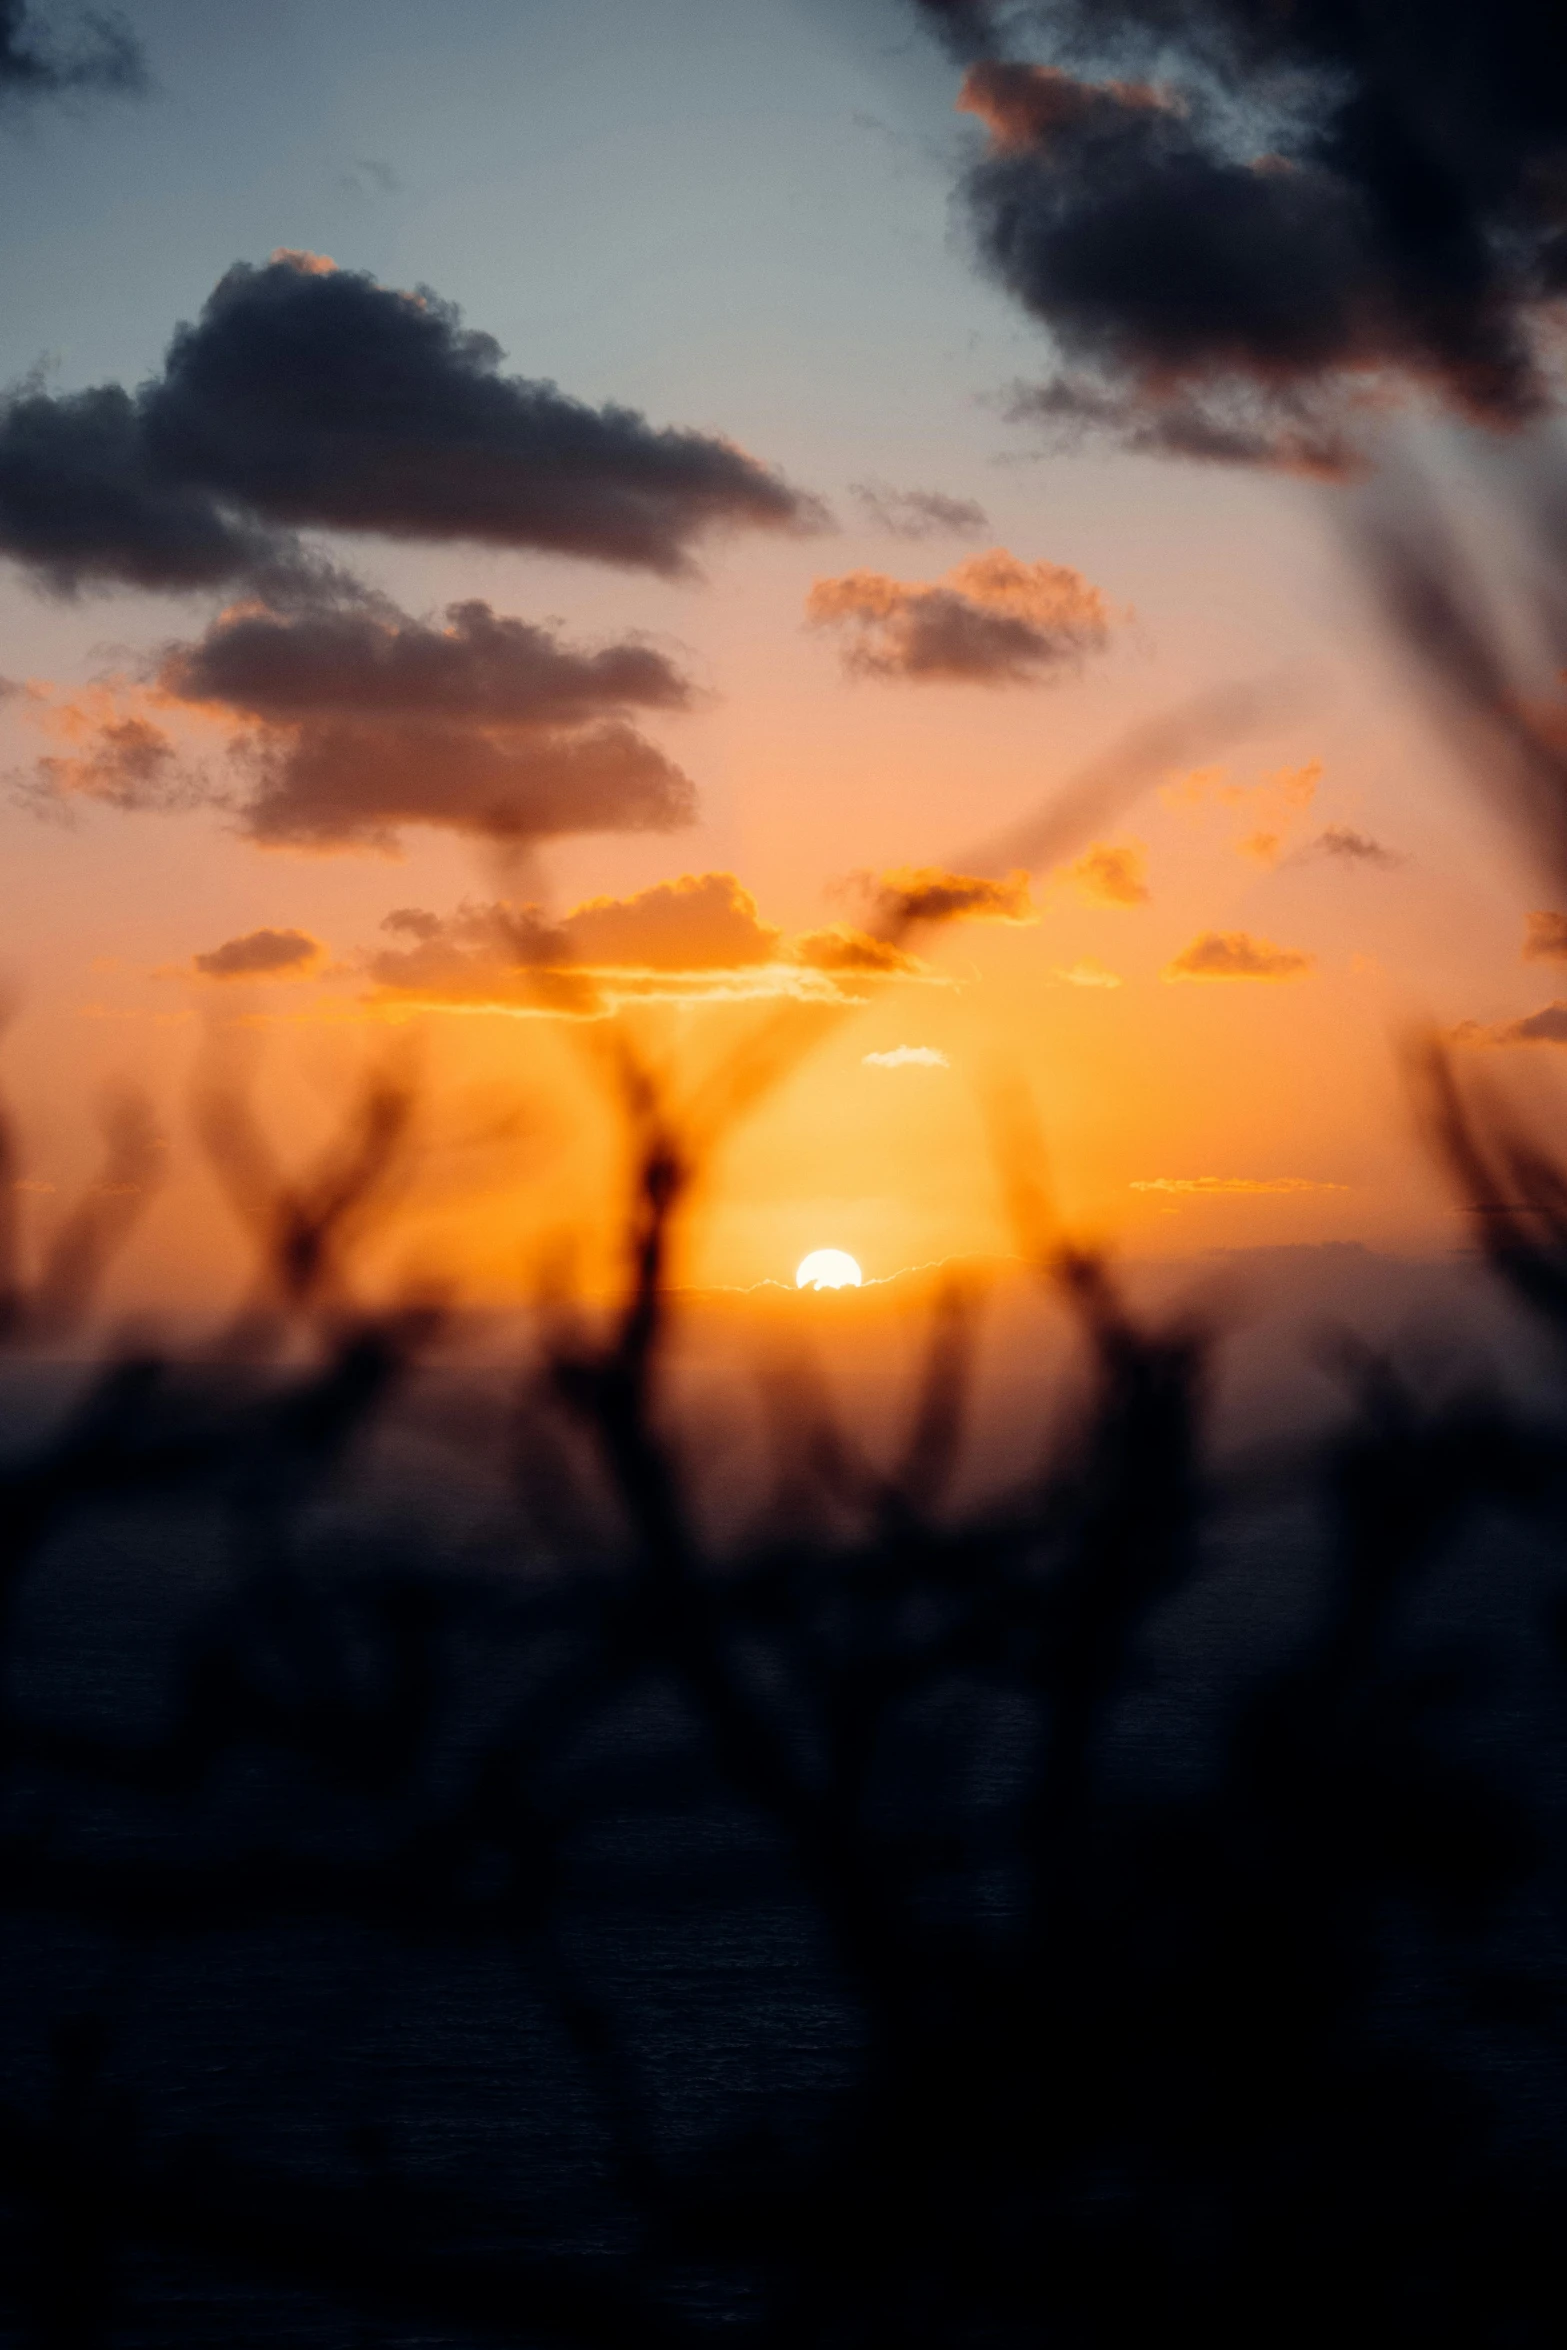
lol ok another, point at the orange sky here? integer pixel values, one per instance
(1204, 1006)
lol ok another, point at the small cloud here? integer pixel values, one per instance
(992, 621)
(1234, 954)
(1294, 787)
(926, 893)
(112, 747)
(1349, 847)
(1547, 1026)
(1271, 807)
(1545, 938)
(1088, 973)
(262, 954)
(918, 514)
(1211, 1184)
(1113, 876)
(907, 1056)
(843, 948)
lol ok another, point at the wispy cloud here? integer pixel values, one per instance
(1269, 809)
(907, 1056)
(918, 514)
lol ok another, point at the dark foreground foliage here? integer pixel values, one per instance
(895, 1930)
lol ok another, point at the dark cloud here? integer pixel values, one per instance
(1348, 847)
(101, 53)
(341, 727)
(966, 28)
(342, 785)
(918, 514)
(1252, 217)
(82, 505)
(262, 954)
(309, 397)
(926, 893)
(483, 668)
(991, 621)
(1545, 938)
(1233, 954)
(1547, 1026)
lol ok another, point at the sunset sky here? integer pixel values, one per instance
(535, 518)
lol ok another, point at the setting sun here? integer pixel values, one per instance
(828, 1268)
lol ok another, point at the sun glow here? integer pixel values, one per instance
(827, 1268)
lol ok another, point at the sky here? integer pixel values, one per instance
(991, 555)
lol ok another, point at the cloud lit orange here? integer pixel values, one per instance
(1234, 954)
(992, 620)
(1113, 875)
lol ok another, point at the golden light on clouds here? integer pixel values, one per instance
(1235, 954)
(1270, 809)
(1112, 874)
(1210, 1186)
(1087, 973)
(993, 620)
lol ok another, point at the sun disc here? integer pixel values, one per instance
(827, 1268)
